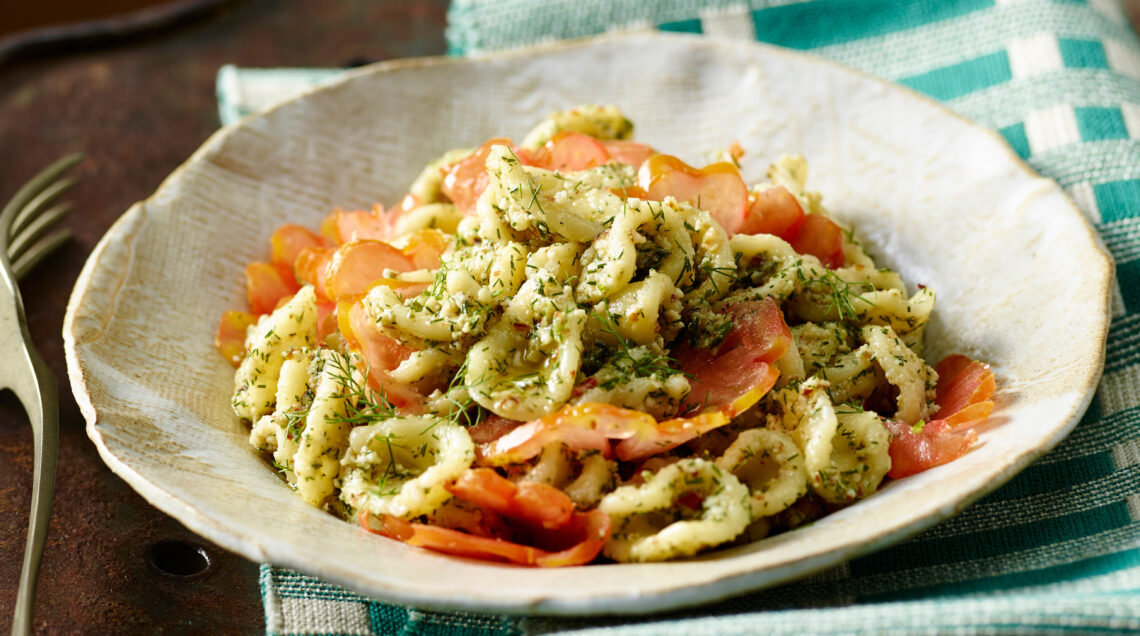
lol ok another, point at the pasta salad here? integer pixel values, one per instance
(578, 349)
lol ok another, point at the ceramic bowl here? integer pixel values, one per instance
(942, 200)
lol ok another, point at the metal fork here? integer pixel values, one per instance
(25, 239)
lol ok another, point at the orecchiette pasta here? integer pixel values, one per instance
(401, 465)
(713, 506)
(591, 348)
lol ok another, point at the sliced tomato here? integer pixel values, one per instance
(631, 152)
(716, 188)
(230, 338)
(381, 353)
(424, 247)
(822, 238)
(741, 365)
(492, 428)
(311, 266)
(588, 426)
(344, 226)
(935, 444)
(594, 426)
(569, 151)
(773, 211)
(669, 434)
(528, 501)
(289, 240)
(266, 284)
(584, 535)
(465, 180)
(355, 266)
(326, 319)
(964, 391)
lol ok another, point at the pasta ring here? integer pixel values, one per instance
(399, 466)
(644, 526)
(770, 464)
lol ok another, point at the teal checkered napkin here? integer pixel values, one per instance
(1057, 549)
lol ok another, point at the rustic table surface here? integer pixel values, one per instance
(138, 106)
(135, 93)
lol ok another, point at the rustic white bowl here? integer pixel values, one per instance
(940, 199)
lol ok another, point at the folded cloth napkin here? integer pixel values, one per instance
(1056, 549)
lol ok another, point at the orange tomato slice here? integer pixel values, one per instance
(266, 284)
(356, 266)
(716, 188)
(289, 240)
(311, 266)
(631, 152)
(529, 501)
(424, 247)
(576, 543)
(381, 353)
(569, 151)
(344, 226)
(230, 337)
(465, 180)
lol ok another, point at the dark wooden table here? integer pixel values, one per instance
(138, 107)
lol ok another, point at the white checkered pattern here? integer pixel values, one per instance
(1051, 128)
(1034, 55)
(729, 22)
(1122, 58)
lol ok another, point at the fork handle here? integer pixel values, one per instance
(46, 442)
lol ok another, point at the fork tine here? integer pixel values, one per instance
(37, 251)
(31, 189)
(21, 239)
(27, 214)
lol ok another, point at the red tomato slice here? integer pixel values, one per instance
(569, 151)
(669, 434)
(266, 284)
(822, 238)
(465, 180)
(459, 543)
(631, 152)
(381, 353)
(230, 338)
(934, 445)
(289, 240)
(773, 211)
(528, 501)
(342, 226)
(716, 188)
(585, 534)
(742, 362)
(492, 428)
(355, 266)
(964, 390)
(588, 426)
(593, 426)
